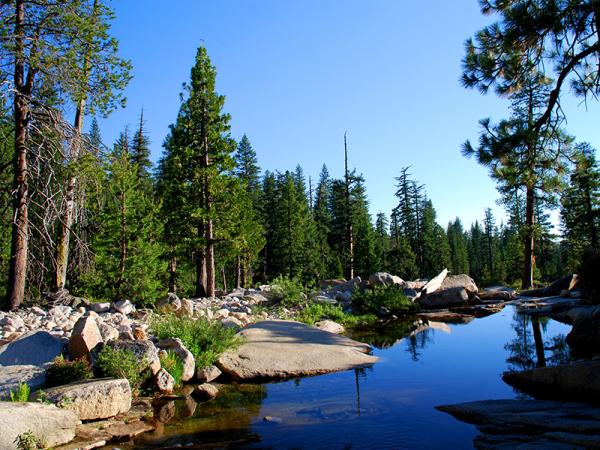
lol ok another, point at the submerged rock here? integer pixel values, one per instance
(51, 425)
(574, 381)
(205, 391)
(530, 423)
(282, 349)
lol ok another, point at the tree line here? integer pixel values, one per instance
(106, 223)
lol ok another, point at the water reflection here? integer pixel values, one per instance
(185, 422)
(529, 350)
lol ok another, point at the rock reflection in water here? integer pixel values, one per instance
(231, 412)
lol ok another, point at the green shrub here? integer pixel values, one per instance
(314, 312)
(204, 339)
(21, 394)
(290, 291)
(173, 364)
(120, 363)
(63, 371)
(389, 297)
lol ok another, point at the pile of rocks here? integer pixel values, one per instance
(442, 291)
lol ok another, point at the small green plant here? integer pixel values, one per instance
(63, 371)
(390, 298)
(290, 291)
(42, 397)
(27, 441)
(204, 339)
(173, 364)
(21, 394)
(120, 363)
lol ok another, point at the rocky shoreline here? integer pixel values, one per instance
(91, 413)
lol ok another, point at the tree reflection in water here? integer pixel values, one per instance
(529, 350)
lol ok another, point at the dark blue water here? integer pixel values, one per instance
(389, 405)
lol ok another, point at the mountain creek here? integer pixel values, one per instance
(389, 404)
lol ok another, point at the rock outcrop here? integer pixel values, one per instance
(384, 279)
(93, 399)
(282, 349)
(50, 425)
(35, 348)
(11, 376)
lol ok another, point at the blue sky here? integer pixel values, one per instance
(298, 73)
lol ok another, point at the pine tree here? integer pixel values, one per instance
(533, 34)
(322, 218)
(402, 257)
(126, 244)
(58, 54)
(436, 250)
(199, 146)
(247, 169)
(459, 258)
(520, 158)
(140, 151)
(381, 243)
(580, 209)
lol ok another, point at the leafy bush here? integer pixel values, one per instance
(173, 364)
(21, 394)
(389, 297)
(63, 371)
(290, 291)
(120, 363)
(314, 312)
(204, 339)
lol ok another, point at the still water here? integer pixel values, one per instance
(388, 405)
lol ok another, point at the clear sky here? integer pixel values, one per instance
(298, 73)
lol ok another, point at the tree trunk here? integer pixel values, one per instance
(244, 274)
(529, 263)
(238, 271)
(173, 274)
(210, 258)
(539, 342)
(122, 245)
(590, 218)
(349, 231)
(62, 249)
(224, 278)
(17, 271)
(201, 267)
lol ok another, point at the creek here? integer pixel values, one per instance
(388, 405)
